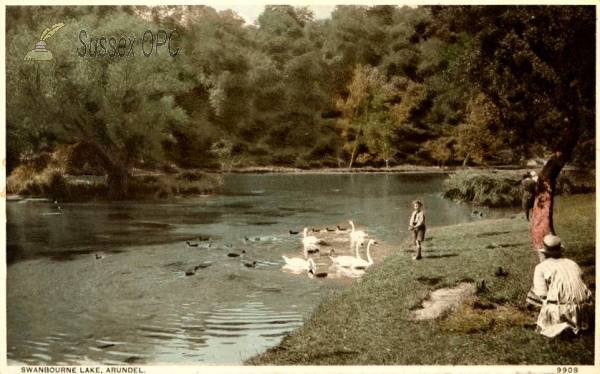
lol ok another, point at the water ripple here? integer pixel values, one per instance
(252, 318)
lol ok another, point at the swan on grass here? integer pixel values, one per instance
(298, 262)
(356, 235)
(359, 263)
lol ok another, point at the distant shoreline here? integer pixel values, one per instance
(395, 169)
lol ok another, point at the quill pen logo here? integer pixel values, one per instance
(40, 53)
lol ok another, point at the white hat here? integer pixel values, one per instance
(552, 244)
(534, 175)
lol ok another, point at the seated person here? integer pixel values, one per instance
(565, 301)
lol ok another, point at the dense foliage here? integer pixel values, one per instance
(377, 86)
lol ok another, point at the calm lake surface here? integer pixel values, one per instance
(106, 283)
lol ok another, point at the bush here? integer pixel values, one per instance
(483, 188)
(284, 158)
(301, 162)
(191, 175)
(53, 182)
(576, 182)
(167, 185)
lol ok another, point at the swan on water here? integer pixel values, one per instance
(359, 263)
(356, 235)
(310, 241)
(346, 261)
(298, 262)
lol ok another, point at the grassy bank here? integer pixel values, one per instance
(76, 172)
(502, 188)
(55, 183)
(368, 323)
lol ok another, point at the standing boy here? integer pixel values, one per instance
(417, 226)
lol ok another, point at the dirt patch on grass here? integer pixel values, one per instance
(441, 301)
(476, 316)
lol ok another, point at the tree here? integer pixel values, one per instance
(537, 65)
(289, 95)
(381, 136)
(120, 107)
(441, 149)
(223, 150)
(480, 137)
(360, 108)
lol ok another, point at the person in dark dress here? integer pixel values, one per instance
(528, 184)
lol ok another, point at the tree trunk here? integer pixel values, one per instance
(466, 160)
(116, 166)
(541, 221)
(353, 152)
(118, 183)
(357, 136)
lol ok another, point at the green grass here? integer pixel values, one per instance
(367, 323)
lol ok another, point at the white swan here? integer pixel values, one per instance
(298, 262)
(346, 261)
(356, 236)
(359, 263)
(357, 252)
(310, 241)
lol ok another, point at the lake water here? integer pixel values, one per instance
(106, 283)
